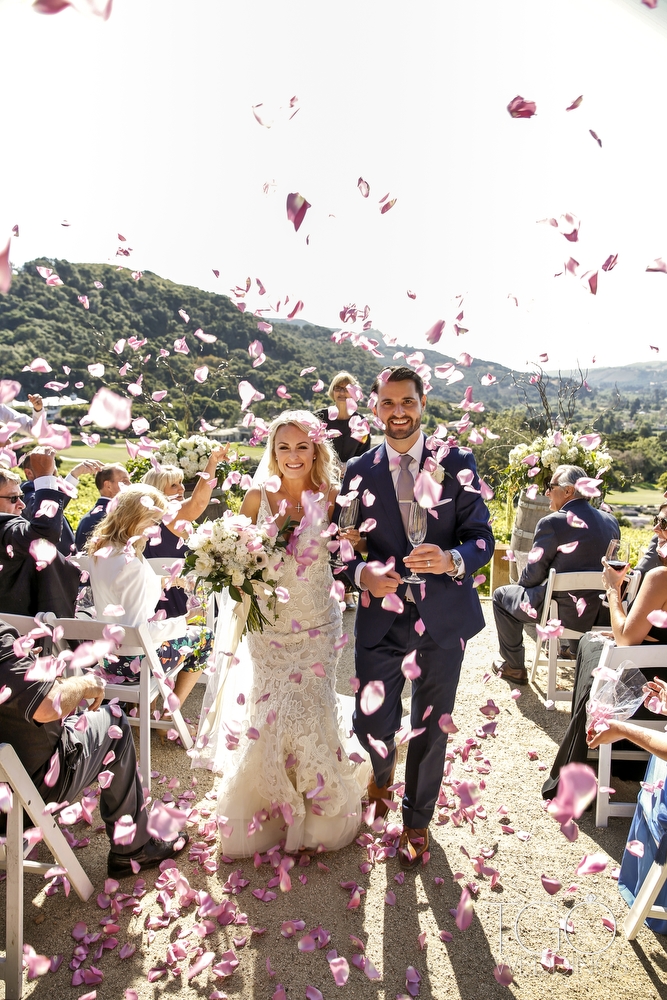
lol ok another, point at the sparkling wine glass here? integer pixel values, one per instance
(417, 524)
(347, 519)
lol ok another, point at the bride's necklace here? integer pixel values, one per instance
(296, 504)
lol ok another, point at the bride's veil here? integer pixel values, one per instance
(223, 714)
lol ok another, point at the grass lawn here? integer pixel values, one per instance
(643, 494)
(111, 453)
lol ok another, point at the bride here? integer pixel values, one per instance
(286, 775)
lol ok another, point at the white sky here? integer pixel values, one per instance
(142, 125)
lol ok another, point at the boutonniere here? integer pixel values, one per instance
(435, 471)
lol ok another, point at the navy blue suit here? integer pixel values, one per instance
(66, 541)
(449, 610)
(552, 533)
(89, 522)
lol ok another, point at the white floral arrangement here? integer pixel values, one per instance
(188, 453)
(234, 554)
(535, 463)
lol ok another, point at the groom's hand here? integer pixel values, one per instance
(379, 582)
(429, 559)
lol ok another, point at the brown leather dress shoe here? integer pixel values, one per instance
(377, 794)
(515, 674)
(411, 846)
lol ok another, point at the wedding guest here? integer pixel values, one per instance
(169, 543)
(90, 466)
(434, 620)
(109, 480)
(573, 519)
(629, 629)
(345, 446)
(126, 589)
(36, 718)
(649, 823)
(26, 589)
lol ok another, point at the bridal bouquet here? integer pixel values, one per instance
(234, 554)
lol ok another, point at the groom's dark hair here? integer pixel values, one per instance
(400, 373)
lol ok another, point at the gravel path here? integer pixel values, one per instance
(512, 923)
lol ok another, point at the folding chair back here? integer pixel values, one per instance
(560, 583)
(152, 679)
(645, 658)
(25, 796)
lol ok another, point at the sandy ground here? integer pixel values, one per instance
(513, 923)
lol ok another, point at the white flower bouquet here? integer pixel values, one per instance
(233, 553)
(190, 454)
(537, 461)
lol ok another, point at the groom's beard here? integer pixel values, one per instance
(404, 431)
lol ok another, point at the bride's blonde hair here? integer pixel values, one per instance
(128, 515)
(324, 473)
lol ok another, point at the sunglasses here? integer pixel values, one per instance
(14, 498)
(660, 522)
(551, 486)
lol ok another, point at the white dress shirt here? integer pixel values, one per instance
(394, 458)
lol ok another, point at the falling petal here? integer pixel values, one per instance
(297, 206)
(518, 108)
(372, 697)
(575, 103)
(591, 864)
(5, 270)
(364, 187)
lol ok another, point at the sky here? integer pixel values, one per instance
(143, 125)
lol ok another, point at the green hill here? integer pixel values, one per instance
(49, 321)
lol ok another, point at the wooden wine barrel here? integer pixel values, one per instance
(528, 513)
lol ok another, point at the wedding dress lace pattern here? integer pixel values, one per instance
(289, 776)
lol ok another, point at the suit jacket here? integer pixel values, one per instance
(89, 522)
(554, 531)
(25, 590)
(449, 609)
(66, 540)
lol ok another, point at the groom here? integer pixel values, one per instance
(432, 621)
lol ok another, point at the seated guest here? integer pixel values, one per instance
(345, 446)
(108, 481)
(631, 629)
(573, 519)
(123, 582)
(36, 720)
(25, 589)
(649, 824)
(170, 545)
(66, 542)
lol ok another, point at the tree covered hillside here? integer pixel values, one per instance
(51, 322)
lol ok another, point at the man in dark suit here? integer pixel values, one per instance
(431, 621)
(25, 588)
(65, 544)
(62, 758)
(573, 520)
(108, 481)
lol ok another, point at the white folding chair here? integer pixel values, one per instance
(152, 677)
(643, 907)
(162, 566)
(27, 797)
(651, 805)
(645, 658)
(560, 583)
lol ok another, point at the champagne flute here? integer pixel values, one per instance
(417, 524)
(347, 519)
(618, 554)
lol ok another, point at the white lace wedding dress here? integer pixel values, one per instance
(289, 777)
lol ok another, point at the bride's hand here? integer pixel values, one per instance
(352, 536)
